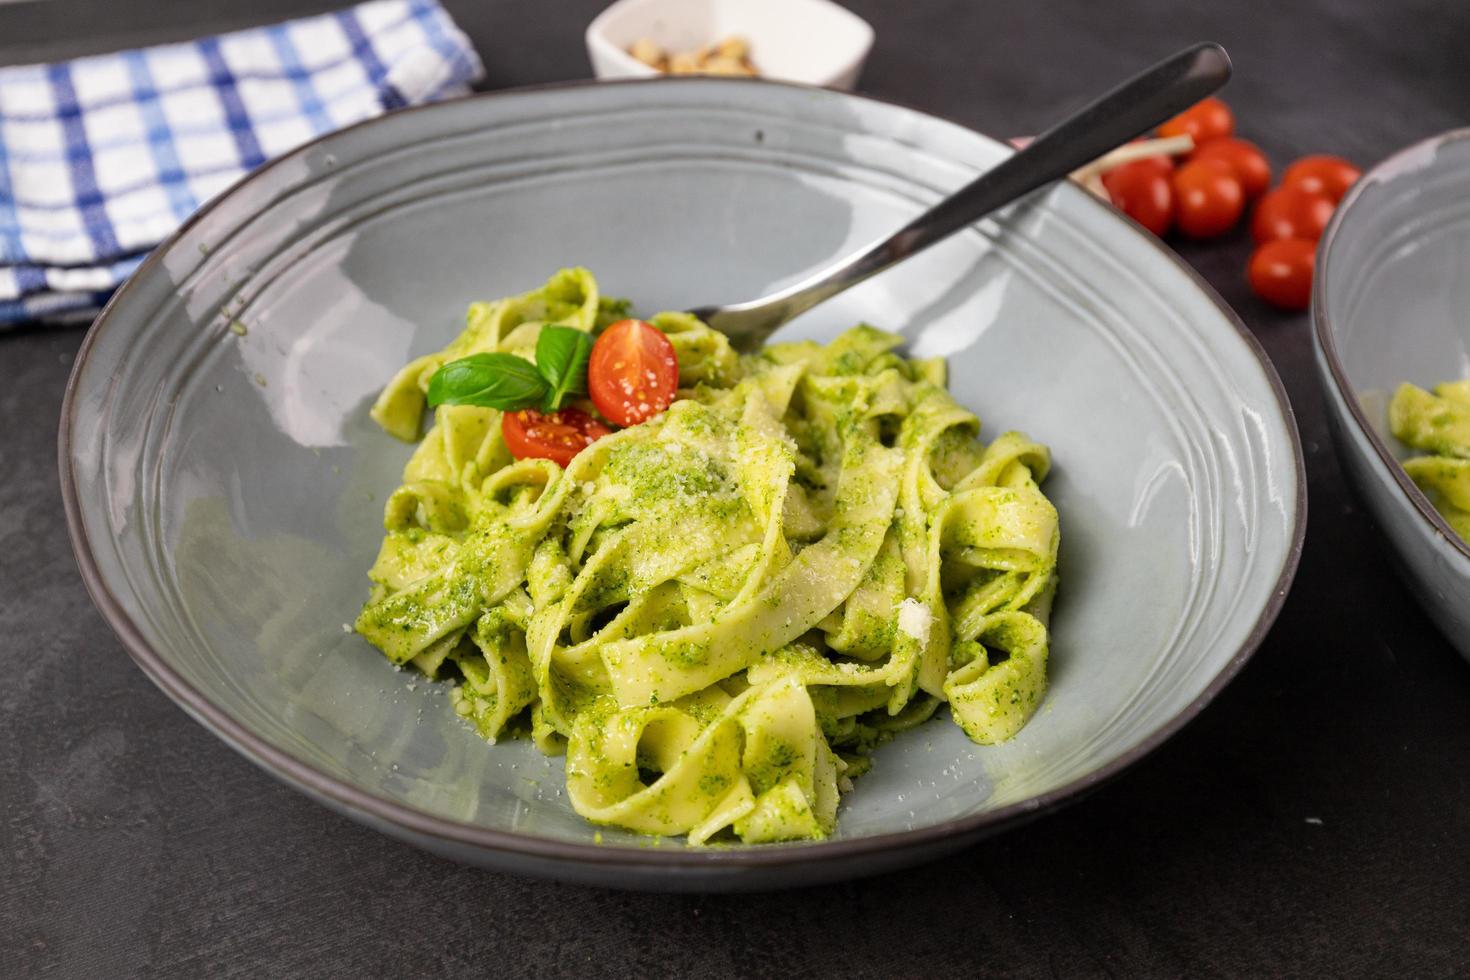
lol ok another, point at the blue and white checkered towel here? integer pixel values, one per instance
(102, 157)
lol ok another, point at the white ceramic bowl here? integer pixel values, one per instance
(811, 41)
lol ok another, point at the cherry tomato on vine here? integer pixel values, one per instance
(1322, 174)
(1140, 191)
(1244, 158)
(558, 436)
(1209, 198)
(633, 372)
(1291, 211)
(1280, 272)
(1160, 163)
(1208, 119)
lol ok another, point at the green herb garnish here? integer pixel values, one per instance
(511, 383)
(561, 357)
(501, 381)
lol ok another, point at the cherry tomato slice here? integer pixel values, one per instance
(1210, 199)
(1208, 119)
(1140, 191)
(1322, 174)
(633, 372)
(1244, 158)
(1280, 272)
(1291, 211)
(558, 436)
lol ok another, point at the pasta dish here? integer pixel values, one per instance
(714, 581)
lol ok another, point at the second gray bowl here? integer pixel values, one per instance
(1391, 303)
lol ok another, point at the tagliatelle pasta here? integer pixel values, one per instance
(719, 612)
(1438, 423)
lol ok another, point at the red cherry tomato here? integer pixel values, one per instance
(1160, 163)
(632, 373)
(1322, 174)
(558, 436)
(1140, 191)
(1208, 119)
(1209, 198)
(1291, 211)
(1244, 158)
(1161, 166)
(1280, 272)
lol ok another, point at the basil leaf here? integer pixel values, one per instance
(501, 381)
(561, 357)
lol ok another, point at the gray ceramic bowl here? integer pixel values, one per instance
(225, 488)
(1391, 303)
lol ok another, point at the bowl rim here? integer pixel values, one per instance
(1327, 343)
(358, 801)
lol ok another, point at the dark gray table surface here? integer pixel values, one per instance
(1314, 821)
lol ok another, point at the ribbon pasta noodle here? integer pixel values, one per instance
(718, 613)
(1437, 424)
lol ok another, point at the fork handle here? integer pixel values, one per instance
(1129, 110)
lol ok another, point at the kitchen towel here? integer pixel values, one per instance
(102, 157)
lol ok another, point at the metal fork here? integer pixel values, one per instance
(1133, 108)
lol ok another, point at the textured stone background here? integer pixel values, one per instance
(135, 844)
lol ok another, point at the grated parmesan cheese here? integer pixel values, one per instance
(914, 619)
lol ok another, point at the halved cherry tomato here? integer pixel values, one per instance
(1291, 211)
(633, 372)
(1208, 119)
(1244, 158)
(1280, 272)
(1322, 174)
(558, 436)
(1209, 198)
(1140, 191)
